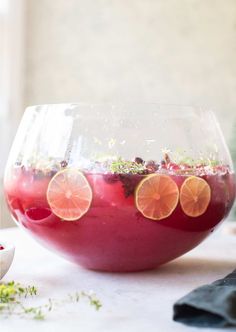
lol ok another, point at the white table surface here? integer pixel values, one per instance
(131, 302)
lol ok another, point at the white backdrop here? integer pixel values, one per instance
(11, 82)
(172, 51)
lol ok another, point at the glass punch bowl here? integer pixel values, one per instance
(119, 187)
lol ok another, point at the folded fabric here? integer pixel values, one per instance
(211, 305)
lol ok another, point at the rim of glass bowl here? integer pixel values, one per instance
(128, 108)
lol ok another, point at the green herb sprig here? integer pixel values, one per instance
(13, 301)
(181, 157)
(91, 297)
(121, 166)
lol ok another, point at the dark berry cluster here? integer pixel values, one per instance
(129, 183)
(129, 178)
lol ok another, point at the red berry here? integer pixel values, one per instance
(173, 167)
(151, 166)
(221, 168)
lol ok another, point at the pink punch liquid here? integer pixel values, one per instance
(113, 235)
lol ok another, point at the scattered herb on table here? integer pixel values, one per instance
(93, 300)
(13, 301)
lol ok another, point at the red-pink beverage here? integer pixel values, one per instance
(113, 235)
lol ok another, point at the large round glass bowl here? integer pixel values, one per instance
(119, 187)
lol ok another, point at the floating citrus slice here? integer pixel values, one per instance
(69, 194)
(157, 196)
(195, 195)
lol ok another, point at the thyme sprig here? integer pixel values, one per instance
(91, 297)
(181, 157)
(13, 301)
(121, 166)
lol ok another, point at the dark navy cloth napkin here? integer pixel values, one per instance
(211, 305)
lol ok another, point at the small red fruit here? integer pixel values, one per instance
(173, 167)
